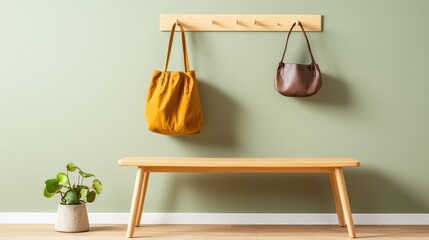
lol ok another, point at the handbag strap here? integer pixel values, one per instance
(170, 44)
(308, 43)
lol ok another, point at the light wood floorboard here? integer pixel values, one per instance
(209, 232)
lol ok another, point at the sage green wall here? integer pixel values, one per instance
(74, 76)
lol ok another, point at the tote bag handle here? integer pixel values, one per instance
(170, 44)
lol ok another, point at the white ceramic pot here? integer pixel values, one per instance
(72, 218)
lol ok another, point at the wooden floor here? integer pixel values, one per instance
(209, 232)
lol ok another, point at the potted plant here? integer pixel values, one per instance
(72, 215)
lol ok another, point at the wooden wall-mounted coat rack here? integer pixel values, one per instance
(240, 22)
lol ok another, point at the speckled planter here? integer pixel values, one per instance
(72, 218)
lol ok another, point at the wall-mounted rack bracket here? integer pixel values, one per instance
(240, 22)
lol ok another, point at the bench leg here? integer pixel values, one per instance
(338, 207)
(135, 202)
(142, 198)
(339, 177)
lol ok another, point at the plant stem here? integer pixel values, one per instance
(61, 194)
(68, 178)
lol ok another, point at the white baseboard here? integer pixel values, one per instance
(225, 218)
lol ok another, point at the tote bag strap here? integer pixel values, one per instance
(308, 43)
(170, 44)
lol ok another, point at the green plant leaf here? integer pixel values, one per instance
(71, 197)
(71, 167)
(62, 178)
(47, 194)
(83, 193)
(85, 175)
(90, 197)
(98, 187)
(52, 185)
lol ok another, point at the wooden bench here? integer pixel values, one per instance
(331, 166)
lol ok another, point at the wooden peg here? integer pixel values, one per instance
(254, 21)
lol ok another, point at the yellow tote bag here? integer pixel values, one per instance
(173, 101)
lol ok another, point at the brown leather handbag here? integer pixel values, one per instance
(298, 80)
